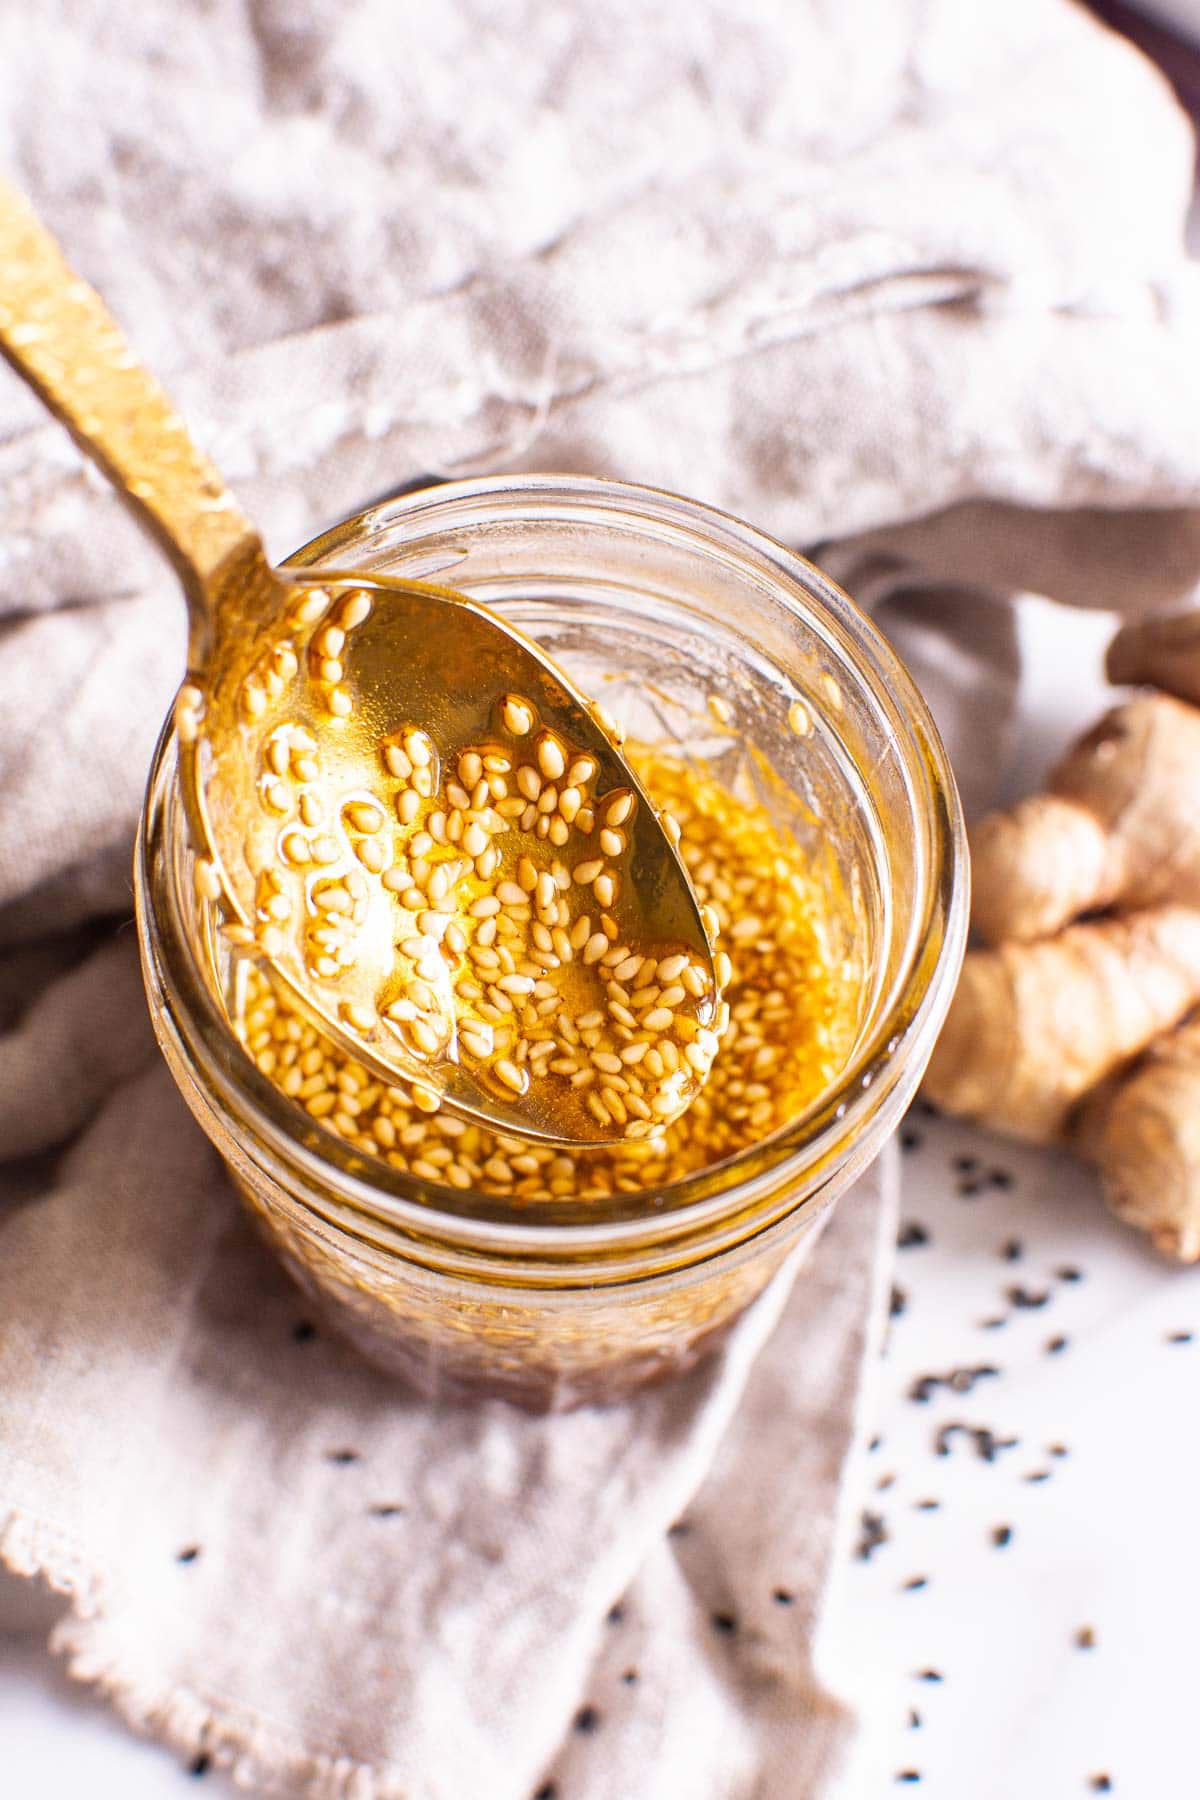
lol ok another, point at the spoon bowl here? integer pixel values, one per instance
(398, 803)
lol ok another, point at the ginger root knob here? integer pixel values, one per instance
(1033, 1027)
(1118, 823)
(1142, 1130)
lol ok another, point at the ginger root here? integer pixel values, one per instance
(1118, 823)
(1033, 1027)
(1086, 1031)
(1142, 1130)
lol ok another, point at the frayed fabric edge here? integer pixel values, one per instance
(241, 1747)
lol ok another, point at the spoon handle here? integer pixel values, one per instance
(58, 334)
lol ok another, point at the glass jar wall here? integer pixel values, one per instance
(722, 652)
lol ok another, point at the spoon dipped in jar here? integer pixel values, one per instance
(398, 804)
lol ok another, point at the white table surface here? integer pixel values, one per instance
(1102, 1544)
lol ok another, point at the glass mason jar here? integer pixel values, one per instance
(654, 603)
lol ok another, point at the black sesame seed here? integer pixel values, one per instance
(1085, 1638)
(911, 1236)
(200, 1765)
(959, 1381)
(875, 1442)
(969, 1190)
(874, 1533)
(966, 1165)
(629, 1677)
(898, 1302)
(992, 1324)
(783, 1597)
(986, 1443)
(1026, 1298)
(680, 1528)
(1055, 1345)
(304, 1332)
(389, 1509)
(1179, 1337)
(907, 1775)
(1002, 1535)
(911, 1140)
(725, 1622)
(914, 1583)
(587, 1719)
(1102, 1784)
(615, 1614)
(963, 1380)
(1068, 1273)
(342, 1456)
(1013, 1250)
(927, 1505)
(1058, 1449)
(1000, 1178)
(189, 1554)
(1039, 1475)
(884, 1483)
(914, 1719)
(547, 1791)
(930, 1675)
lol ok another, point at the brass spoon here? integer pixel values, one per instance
(304, 697)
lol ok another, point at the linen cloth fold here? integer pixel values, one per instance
(904, 281)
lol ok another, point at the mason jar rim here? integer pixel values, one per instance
(816, 1140)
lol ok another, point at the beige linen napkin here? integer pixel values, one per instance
(908, 276)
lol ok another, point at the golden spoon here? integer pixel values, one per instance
(524, 944)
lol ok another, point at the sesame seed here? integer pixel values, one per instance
(551, 759)
(517, 715)
(354, 610)
(207, 880)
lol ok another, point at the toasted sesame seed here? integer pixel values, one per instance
(516, 715)
(362, 1018)
(309, 608)
(207, 880)
(340, 703)
(363, 815)
(607, 723)
(354, 610)
(551, 760)
(660, 1019)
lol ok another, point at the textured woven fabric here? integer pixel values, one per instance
(899, 278)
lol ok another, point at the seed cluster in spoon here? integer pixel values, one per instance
(468, 905)
(790, 998)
